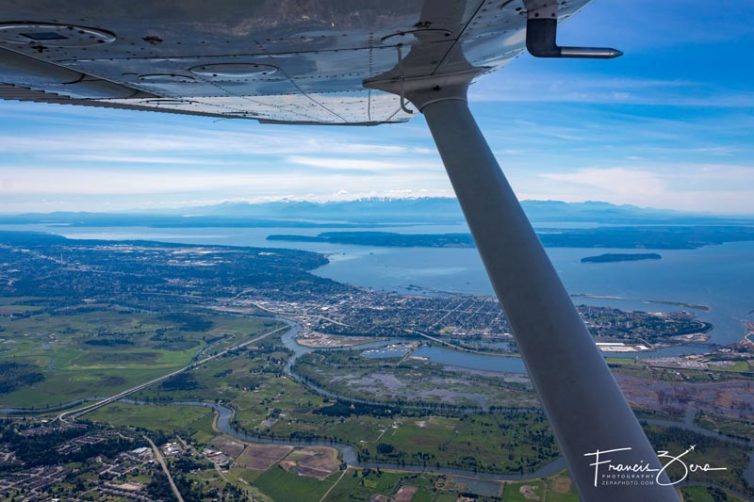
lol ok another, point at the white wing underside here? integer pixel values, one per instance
(271, 60)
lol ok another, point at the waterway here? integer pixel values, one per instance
(433, 353)
(349, 454)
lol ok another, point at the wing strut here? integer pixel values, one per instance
(583, 402)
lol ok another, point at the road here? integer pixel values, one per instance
(322, 499)
(161, 460)
(120, 395)
(460, 348)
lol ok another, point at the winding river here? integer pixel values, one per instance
(224, 423)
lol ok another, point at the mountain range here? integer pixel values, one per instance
(373, 212)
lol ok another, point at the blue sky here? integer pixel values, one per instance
(668, 125)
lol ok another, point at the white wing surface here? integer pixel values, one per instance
(270, 60)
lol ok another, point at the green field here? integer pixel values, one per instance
(560, 489)
(506, 442)
(553, 489)
(361, 485)
(704, 494)
(53, 358)
(270, 404)
(736, 366)
(524, 492)
(735, 428)
(707, 450)
(354, 485)
(187, 420)
(287, 486)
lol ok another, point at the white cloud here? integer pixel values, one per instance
(34, 182)
(705, 187)
(193, 140)
(615, 182)
(361, 164)
(102, 159)
(550, 86)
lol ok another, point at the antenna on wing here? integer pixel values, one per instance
(541, 34)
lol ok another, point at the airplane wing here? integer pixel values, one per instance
(273, 60)
(356, 62)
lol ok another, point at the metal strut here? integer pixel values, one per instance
(583, 402)
(585, 407)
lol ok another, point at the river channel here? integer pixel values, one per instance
(349, 454)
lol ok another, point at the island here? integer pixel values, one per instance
(640, 238)
(614, 257)
(382, 239)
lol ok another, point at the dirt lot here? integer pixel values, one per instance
(315, 461)
(405, 494)
(262, 456)
(560, 484)
(322, 341)
(228, 445)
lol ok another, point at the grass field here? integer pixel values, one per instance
(8, 310)
(735, 428)
(186, 420)
(99, 350)
(553, 489)
(357, 485)
(707, 450)
(560, 489)
(704, 494)
(527, 491)
(287, 486)
(270, 404)
(736, 366)
(494, 442)
(505, 442)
